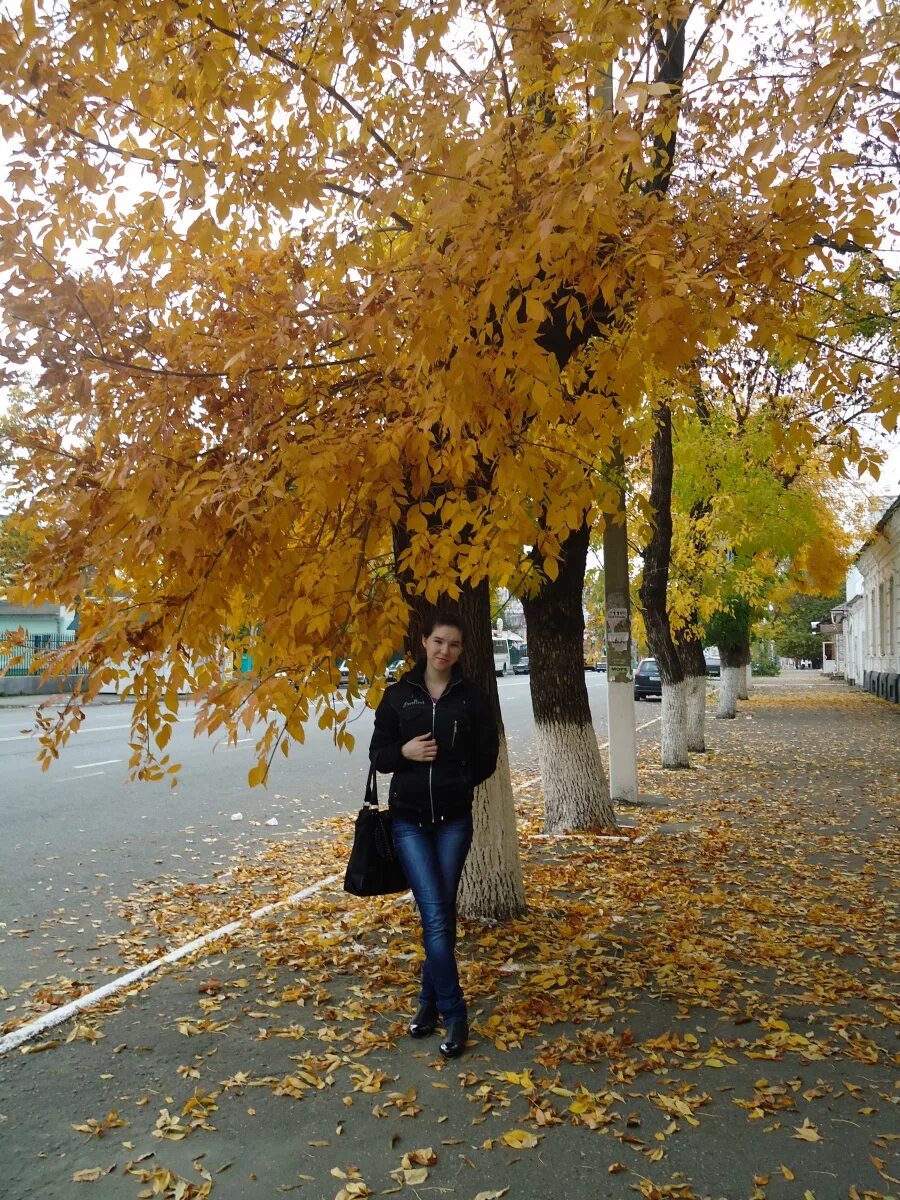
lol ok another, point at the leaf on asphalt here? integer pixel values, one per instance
(519, 1139)
(807, 1132)
(419, 1158)
(82, 1032)
(414, 1177)
(492, 1195)
(95, 1128)
(92, 1174)
(353, 1190)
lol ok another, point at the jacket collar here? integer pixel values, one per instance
(417, 675)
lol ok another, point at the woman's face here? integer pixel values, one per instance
(443, 646)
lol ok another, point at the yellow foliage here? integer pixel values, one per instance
(295, 282)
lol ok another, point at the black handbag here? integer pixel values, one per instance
(374, 868)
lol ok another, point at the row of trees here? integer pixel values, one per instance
(337, 311)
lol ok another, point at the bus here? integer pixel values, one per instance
(508, 649)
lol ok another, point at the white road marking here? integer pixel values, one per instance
(81, 732)
(24, 737)
(34, 1028)
(105, 763)
(644, 726)
(70, 778)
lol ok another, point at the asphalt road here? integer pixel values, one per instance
(78, 835)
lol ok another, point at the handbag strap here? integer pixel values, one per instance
(371, 796)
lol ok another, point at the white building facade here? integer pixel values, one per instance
(871, 614)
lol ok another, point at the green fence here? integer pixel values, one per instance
(29, 658)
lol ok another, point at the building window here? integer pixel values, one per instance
(872, 625)
(890, 615)
(882, 621)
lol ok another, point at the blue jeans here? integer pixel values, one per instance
(433, 857)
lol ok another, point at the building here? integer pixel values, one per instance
(43, 623)
(869, 620)
(46, 627)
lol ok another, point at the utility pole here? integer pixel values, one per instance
(623, 784)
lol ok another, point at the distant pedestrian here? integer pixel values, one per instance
(435, 731)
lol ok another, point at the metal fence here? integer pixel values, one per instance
(29, 658)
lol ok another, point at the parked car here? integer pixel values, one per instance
(344, 672)
(394, 669)
(601, 665)
(522, 667)
(713, 662)
(647, 679)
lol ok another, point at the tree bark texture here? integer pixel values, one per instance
(576, 791)
(674, 725)
(492, 886)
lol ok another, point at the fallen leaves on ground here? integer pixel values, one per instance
(761, 930)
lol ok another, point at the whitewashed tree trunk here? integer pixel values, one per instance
(728, 693)
(696, 713)
(576, 790)
(743, 682)
(674, 725)
(492, 885)
(576, 794)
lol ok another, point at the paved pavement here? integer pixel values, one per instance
(707, 1011)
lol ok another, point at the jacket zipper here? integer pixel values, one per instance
(434, 704)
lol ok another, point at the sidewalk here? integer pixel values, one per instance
(710, 1012)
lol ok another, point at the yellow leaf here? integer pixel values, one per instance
(806, 1132)
(519, 1139)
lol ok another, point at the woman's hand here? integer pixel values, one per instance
(420, 749)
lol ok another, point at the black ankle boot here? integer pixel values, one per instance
(455, 1039)
(424, 1021)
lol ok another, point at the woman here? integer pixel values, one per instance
(435, 730)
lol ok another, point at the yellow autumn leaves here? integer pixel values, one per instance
(400, 276)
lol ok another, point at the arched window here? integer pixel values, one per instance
(890, 614)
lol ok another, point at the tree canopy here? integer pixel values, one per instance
(295, 275)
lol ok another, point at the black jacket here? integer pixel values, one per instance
(462, 721)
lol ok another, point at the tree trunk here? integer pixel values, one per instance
(730, 660)
(744, 681)
(653, 593)
(492, 886)
(674, 736)
(576, 792)
(690, 651)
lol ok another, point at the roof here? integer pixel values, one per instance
(47, 609)
(880, 524)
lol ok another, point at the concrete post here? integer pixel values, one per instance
(623, 785)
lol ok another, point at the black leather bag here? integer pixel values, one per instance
(374, 868)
